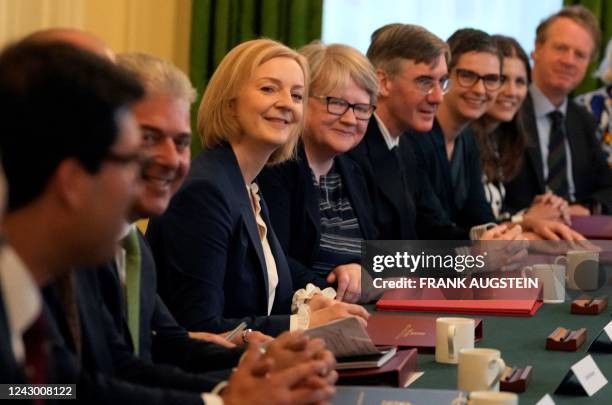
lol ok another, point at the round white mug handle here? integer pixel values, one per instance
(561, 259)
(502, 367)
(525, 270)
(451, 341)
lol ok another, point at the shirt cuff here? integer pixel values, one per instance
(477, 231)
(303, 294)
(301, 319)
(518, 217)
(212, 399)
(218, 388)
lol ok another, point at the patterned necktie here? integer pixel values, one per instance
(36, 356)
(132, 286)
(557, 160)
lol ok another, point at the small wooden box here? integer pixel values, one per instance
(516, 379)
(589, 306)
(566, 339)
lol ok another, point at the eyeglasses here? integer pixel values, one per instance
(468, 78)
(339, 106)
(426, 85)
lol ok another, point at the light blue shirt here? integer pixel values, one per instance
(542, 107)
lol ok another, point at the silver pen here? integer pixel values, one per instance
(236, 331)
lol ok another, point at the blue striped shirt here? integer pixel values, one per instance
(341, 235)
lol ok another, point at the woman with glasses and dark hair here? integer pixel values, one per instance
(501, 137)
(319, 202)
(448, 154)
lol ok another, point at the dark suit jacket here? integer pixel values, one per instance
(405, 206)
(107, 367)
(430, 150)
(210, 261)
(592, 176)
(394, 207)
(293, 201)
(162, 340)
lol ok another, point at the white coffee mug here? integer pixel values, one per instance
(588, 262)
(452, 335)
(552, 279)
(480, 369)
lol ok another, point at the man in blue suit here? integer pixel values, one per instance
(563, 154)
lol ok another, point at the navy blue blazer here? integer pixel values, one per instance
(210, 261)
(592, 176)
(107, 365)
(405, 206)
(394, 207)
(293, 201)
(162, 339)
(431, 155)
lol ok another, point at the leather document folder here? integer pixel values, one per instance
(593, 226)
(407, 331)
(380, 395)
(394, 373)
(394, 301)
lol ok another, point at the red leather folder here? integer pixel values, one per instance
(593, 226)
(405, 331)
(394, 301)
(395, 372)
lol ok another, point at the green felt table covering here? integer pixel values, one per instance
(522, 341)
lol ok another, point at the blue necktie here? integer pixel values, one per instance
(557, 159)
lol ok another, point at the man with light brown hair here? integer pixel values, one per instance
(563, 155)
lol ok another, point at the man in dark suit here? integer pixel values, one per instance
(563, 155)
(79, 181)
(163, 116)
(411, 65)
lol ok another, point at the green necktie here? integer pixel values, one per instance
(132, 285)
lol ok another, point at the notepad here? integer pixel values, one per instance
(345, 337)
(367, 361)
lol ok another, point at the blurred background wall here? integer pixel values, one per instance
(158, 27)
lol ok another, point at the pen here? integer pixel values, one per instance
(236, 331)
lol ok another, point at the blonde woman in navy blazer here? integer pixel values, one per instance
(319, 202)
(211, 257)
